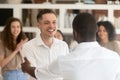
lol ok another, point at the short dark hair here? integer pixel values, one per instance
(85, 25)
(44, 11)
(109, 28)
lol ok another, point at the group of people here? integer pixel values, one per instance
(47, 57)
(40, 50)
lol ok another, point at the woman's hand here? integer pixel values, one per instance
(20, 44)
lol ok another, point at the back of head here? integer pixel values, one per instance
(84, 27)
(44, 11)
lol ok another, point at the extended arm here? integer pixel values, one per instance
(27, 68)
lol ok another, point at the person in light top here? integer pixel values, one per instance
(12, 40)
(89, 61)
(106, 36)
(44, 49)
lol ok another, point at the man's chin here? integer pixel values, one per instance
(51, 36)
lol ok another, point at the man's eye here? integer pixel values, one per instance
(46, 23)
(54, 22)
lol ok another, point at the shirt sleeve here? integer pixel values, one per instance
(47, 73)
(118, 70)
(28, 53)
(118, 74)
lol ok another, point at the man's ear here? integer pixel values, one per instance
(76, 36)
(38, 24)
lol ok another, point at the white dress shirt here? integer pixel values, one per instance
(89, 61)
(41, 55)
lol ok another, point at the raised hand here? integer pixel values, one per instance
(20, 44)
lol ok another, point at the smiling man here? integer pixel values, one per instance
(89, 60)
(43, 50)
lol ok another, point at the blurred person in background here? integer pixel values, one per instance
(12, 40)
(106, 36)
(59, 35)
(89, 61)
(72, 44)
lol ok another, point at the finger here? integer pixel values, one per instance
(26, 39)
(26, 60)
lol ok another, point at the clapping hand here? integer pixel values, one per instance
(20, 44)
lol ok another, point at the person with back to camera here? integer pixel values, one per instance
(72, 44)
(43, 50)
(12, 40)
(106, 36)
(89, 61)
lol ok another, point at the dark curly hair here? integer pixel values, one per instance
(109, 28)
(44, 11)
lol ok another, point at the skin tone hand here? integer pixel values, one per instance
(19, 46)
(4, 61)
(27, 68)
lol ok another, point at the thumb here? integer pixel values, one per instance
(26, 60)
(26, 40)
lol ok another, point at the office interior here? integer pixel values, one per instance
(101, 9)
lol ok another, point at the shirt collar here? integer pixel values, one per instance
(88, 44)
(40, 42)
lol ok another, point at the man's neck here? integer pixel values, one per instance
(47, 40)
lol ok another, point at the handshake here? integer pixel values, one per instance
(27, 68)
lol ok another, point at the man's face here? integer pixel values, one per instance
(48, 25)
